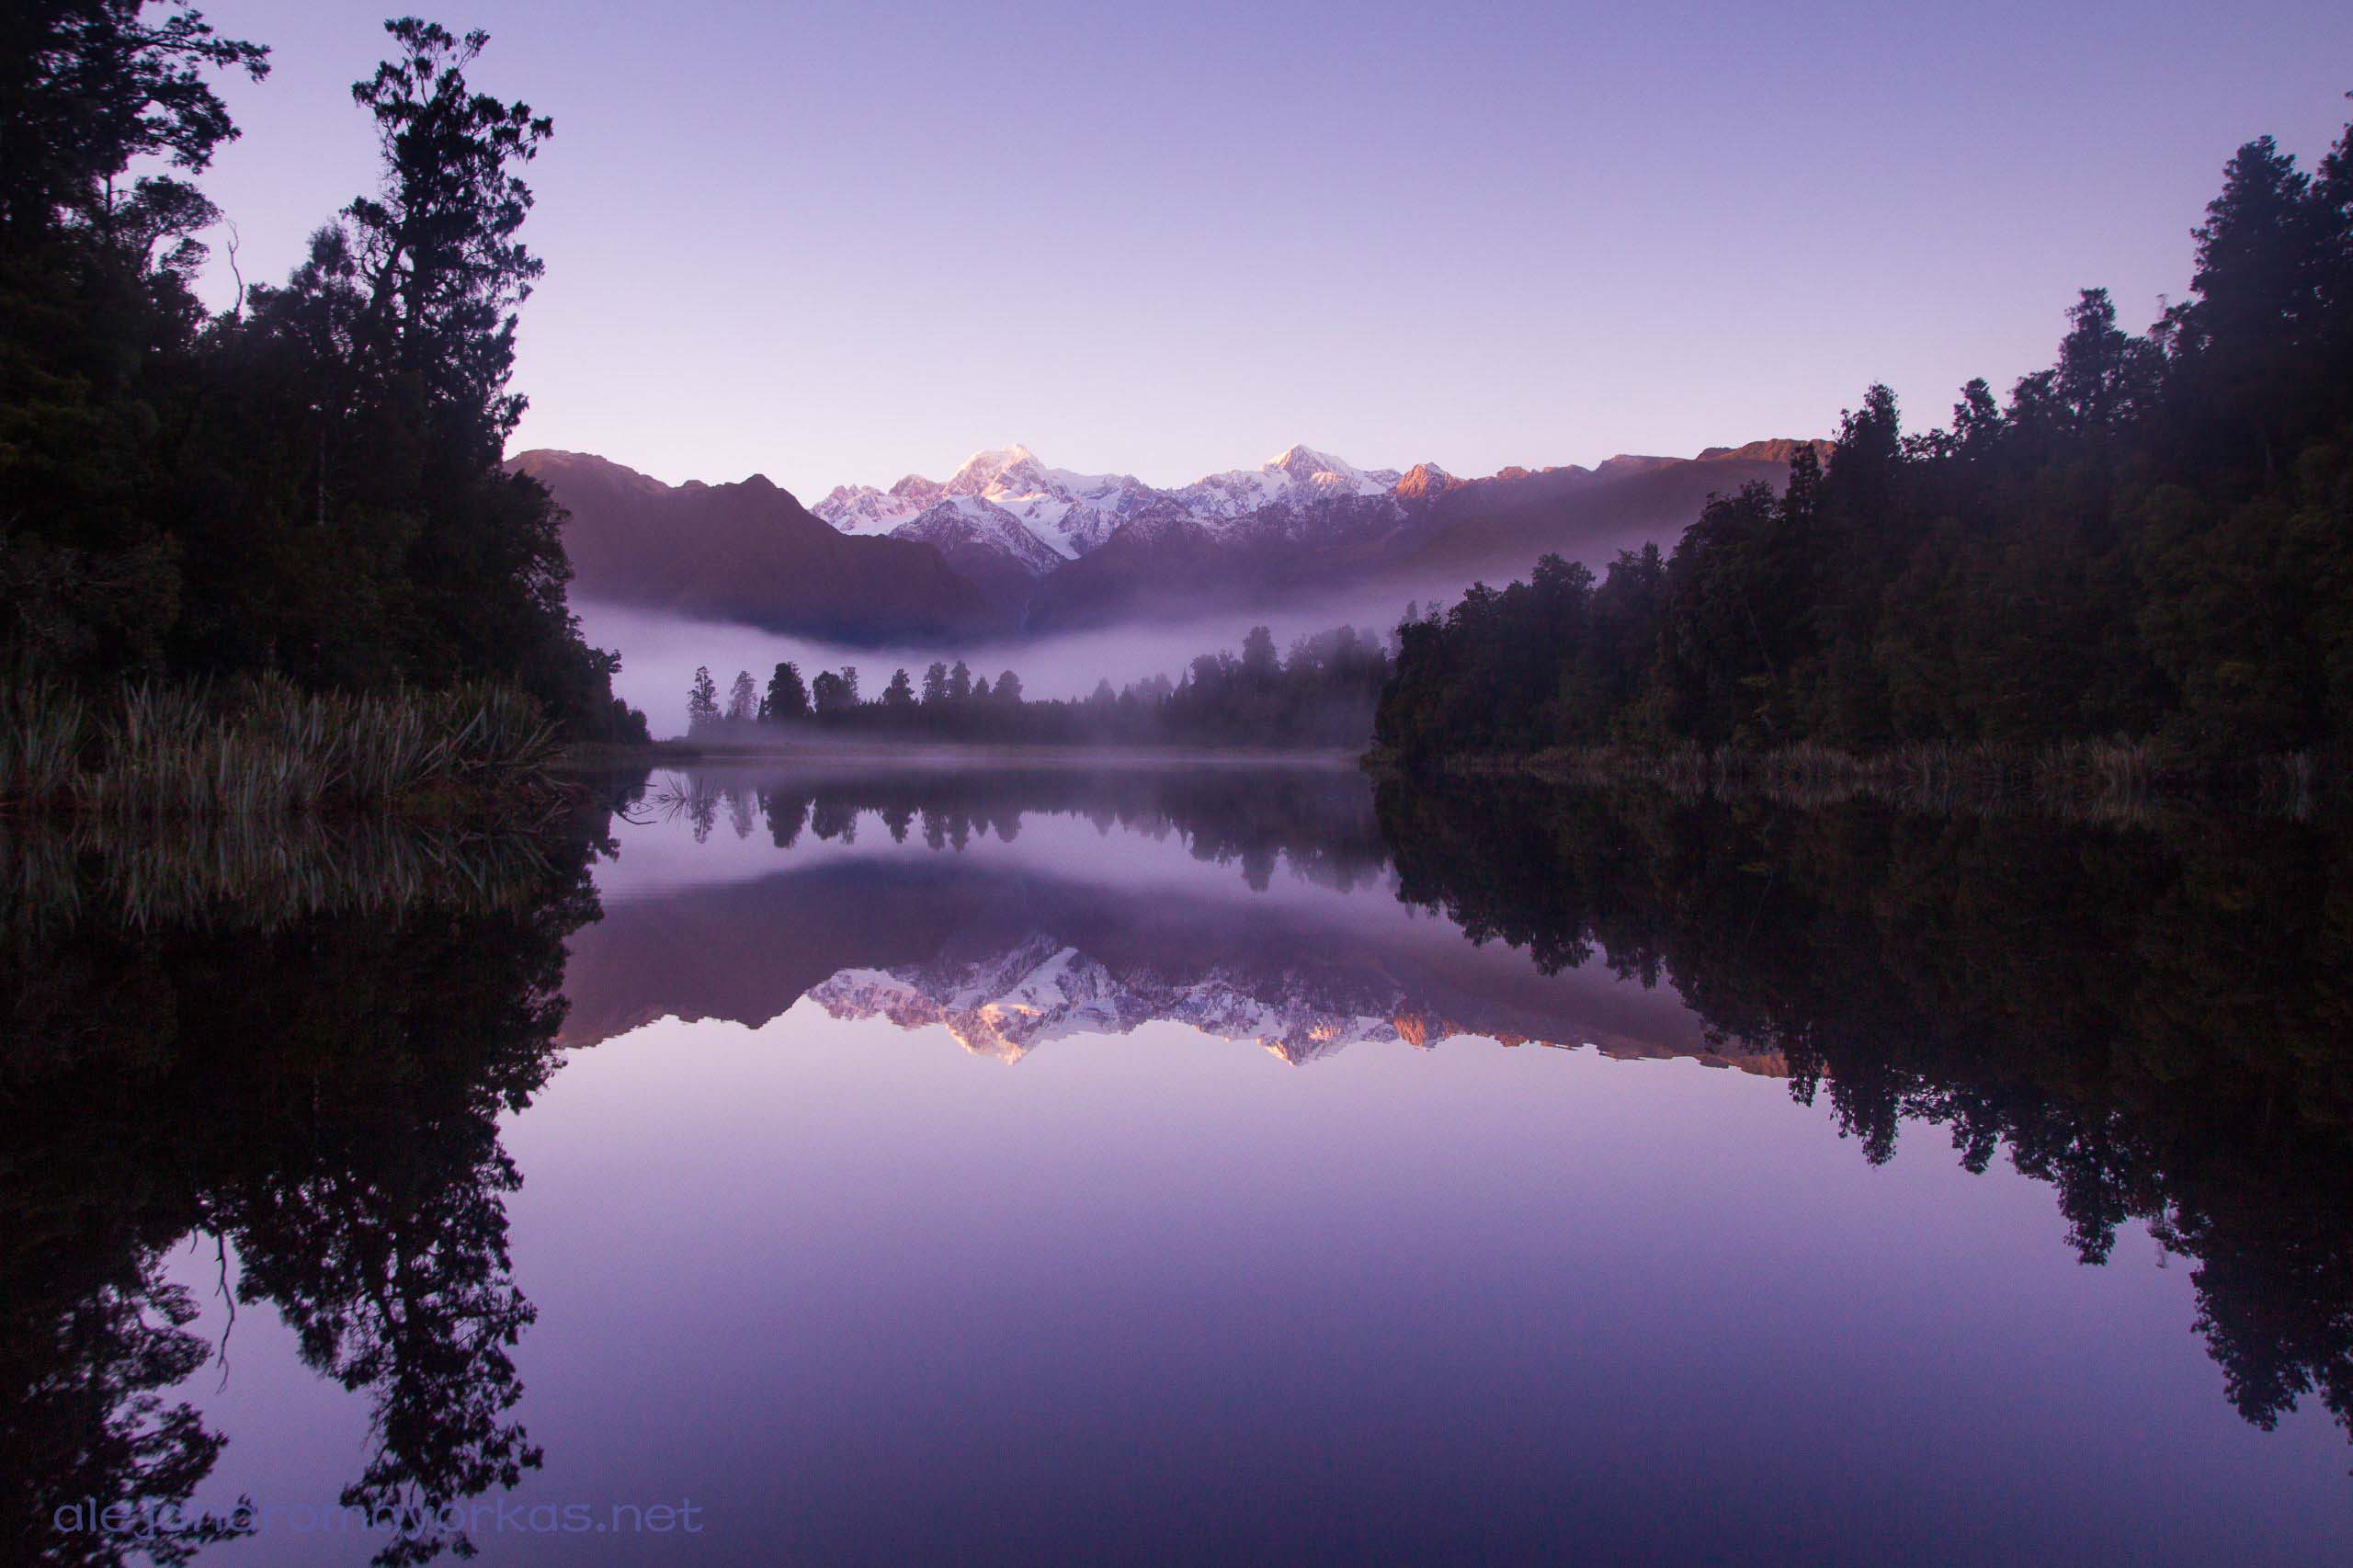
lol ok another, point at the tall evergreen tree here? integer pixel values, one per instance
(786, 698)
(2154, 540)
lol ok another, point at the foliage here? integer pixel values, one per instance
(267, 749)
(786, 698)
(2152, 540)
(309, 484)
(702, 701)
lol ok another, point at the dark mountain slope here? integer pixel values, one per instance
(745, 553)
(1432, 535)
(1496, 527)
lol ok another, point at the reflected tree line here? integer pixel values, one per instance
(1316, 820)
(2156, 1023)
(313, 1099)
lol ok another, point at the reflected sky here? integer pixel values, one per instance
(1156, 1286)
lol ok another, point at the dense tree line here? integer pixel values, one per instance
(308, 482)
(1320, 693)
(2153, 538)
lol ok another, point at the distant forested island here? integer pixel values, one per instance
(2149, 546)
(289, 514)
(1321, 693)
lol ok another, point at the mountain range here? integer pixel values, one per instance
(1008, 544)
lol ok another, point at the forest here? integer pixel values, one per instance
(301, 489)
(2150, 543)
(1320, 693)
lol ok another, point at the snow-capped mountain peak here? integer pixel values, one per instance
(1000, 470)
(954, 523)
(1303, 462)
(1071, 513)
(1296, 474)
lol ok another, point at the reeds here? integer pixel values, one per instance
(257, 873)
(266, 749)
(43, 729)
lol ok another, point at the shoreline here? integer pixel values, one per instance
(602, 758)
(2108, 779)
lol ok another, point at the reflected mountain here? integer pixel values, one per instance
(1007, 961)
(2152, 1018)
(1296, 945)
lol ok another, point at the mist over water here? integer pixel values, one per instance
(660, 653)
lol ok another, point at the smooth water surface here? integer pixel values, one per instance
(1047, 1166)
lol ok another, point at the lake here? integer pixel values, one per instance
(1043, 1162)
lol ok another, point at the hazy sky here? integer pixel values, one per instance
(840, 243)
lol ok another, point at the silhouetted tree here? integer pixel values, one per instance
(1258, 659)
(309, 484)
(832, 695)
(1321, 694)
(786, 700)
(2152, 540)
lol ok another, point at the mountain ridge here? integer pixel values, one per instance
(1008, 543)
(745, 551)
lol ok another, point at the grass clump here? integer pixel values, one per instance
(266, 749)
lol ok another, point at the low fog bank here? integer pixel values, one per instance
(804, 748)
(660, 653)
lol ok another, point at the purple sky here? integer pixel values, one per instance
(840, 243)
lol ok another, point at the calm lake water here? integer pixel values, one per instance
(1035, 1166)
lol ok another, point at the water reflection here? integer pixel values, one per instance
(1017, 908)
(298, 1053)
(2153, 1019)
(1314, 818)
(308, 1055)
(2157, 1022)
